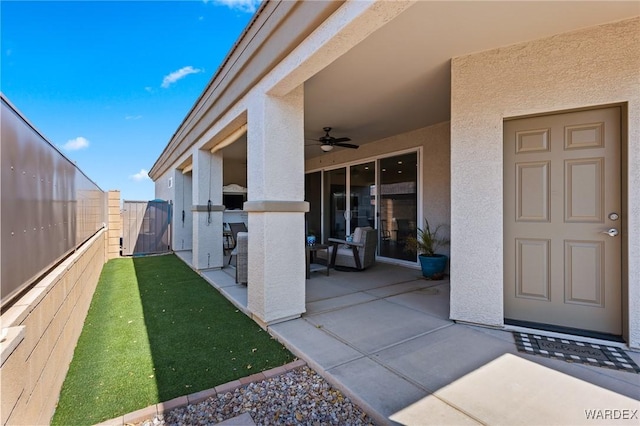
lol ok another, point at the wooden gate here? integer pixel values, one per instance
(146, 227)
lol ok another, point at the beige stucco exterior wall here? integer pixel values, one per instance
(43, 329)
(163, 191)
(589, 67)
(434, 141)
(180, 195)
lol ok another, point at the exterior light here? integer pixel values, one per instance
(326, 147)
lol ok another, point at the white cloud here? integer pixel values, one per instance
(177, 75)
(76, 144)
(248, 6)
(149, 89)
(140, 176)
(133, 117)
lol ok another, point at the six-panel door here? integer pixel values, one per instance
(562, 195)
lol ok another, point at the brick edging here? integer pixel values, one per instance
(197, 397)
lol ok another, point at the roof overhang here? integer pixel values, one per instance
(274, 31)
(394, 80)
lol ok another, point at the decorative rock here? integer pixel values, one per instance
(299, 396)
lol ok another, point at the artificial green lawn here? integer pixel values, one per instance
(155, 331)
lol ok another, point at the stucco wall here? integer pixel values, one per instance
(180, 194)
(434, 141)
(589, 67)
(43, 329)
(162, 190)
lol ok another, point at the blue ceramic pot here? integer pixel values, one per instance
(433, 266)
(311, 240)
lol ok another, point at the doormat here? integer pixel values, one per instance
(573, 351)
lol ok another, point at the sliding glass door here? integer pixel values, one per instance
(382, 194)
(398, 205)
(335, 209)
(362, 198)
(350, 199)
(313, 194)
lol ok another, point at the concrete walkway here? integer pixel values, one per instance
(383, 336)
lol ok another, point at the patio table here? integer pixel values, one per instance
(310, 254)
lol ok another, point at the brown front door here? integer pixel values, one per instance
(562, 193)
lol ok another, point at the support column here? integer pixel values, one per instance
(114, 224)
(182, 218)
(207, 210)
(276, 207)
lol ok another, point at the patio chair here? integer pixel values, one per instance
(360, 253)
(235, 228)
(405, 230)
(385, 234)
(242, 257)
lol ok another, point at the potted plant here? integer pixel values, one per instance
(425, 244)
(311, 237)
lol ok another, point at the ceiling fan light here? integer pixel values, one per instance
(326, 147)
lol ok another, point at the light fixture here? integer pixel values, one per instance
(326, 147)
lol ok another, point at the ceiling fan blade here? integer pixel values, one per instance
(338, 140)
(347, 145)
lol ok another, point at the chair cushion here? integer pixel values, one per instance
(357, 233)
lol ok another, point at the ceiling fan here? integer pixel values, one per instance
(327, 142)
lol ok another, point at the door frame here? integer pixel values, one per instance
(624, 258)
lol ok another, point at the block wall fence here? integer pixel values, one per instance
(41, 329)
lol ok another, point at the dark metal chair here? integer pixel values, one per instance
(235, 228)
(360, 253)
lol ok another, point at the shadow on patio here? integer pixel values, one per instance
(384, 337)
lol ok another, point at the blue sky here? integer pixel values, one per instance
(109, 82)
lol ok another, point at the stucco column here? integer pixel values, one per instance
(207, 210)
(276, 206)
(182, 228)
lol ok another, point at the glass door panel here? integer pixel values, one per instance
(398, 205)
(335, 188)
(313, 194)
(362, 181)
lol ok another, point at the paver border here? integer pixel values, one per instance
(197, 397)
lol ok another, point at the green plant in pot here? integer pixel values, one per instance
(425, 244)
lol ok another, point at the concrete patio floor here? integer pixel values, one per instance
(384, 337)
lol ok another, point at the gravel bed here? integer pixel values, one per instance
(298, 397)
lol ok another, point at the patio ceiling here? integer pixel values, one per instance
(398, 79)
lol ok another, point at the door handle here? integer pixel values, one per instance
(613, 232)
